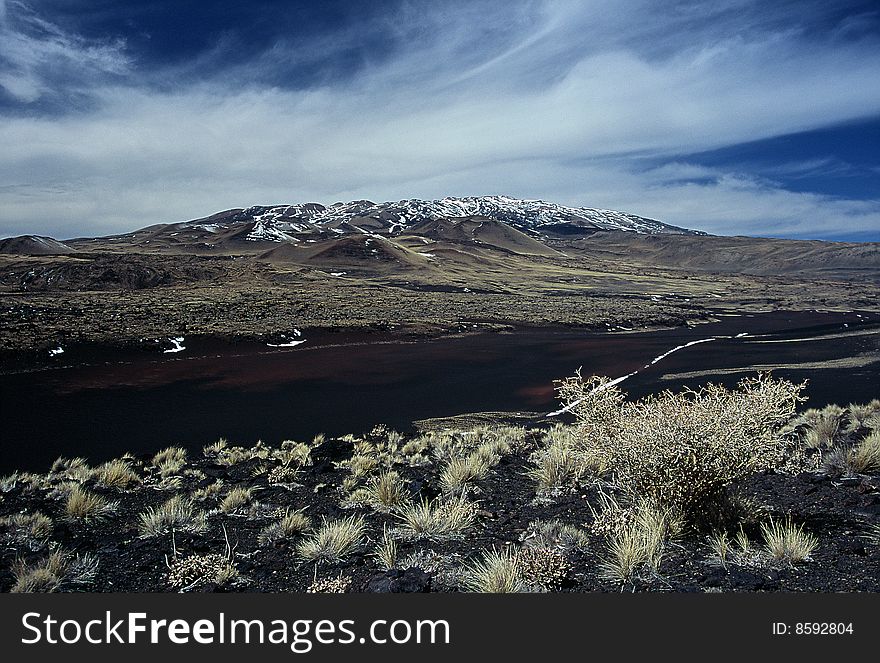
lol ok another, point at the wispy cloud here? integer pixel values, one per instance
(559, 100)
(39, 58)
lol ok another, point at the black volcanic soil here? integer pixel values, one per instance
(837, 511)
(104, 401)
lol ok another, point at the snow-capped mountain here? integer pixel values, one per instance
(282, 223)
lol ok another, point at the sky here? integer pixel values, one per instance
(735, 117)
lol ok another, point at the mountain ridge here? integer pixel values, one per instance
(281, 223)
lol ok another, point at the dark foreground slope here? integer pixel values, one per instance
(385, 513)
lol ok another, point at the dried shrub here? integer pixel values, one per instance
(338, 585)
(545, 568)
(194, 571)
(680, 450)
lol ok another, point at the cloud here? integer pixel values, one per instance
(39, 58)
(556, 100)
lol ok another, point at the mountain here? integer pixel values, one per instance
(291, 223)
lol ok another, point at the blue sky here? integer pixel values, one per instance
(733, 116)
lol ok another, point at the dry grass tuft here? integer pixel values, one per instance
(176, 514)
(116, 474)
(437, 520)
(333, 541)
(385, 551)
(787, 542)
(866, 455)
(87, 507)
(555, 534)
(211, 491)
(496, 572)
(458, 472)
(215, 448)
(50, 573)
(386, 491)
(290, 525)
(824, 426)
(720, 544)
(29, 530)
(236, 499)
(170, 460)
(640, 541)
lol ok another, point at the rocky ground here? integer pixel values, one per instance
(251, 519)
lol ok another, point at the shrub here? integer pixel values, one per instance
(543, 567)
(338, 585)
(681, 450)
(187, 573)
(334, 540)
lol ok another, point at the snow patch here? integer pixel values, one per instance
(178, 345)
(289, 344)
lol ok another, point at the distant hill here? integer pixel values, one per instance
(33, 245)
